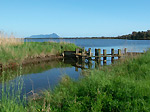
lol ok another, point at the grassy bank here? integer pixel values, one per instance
(124, 86)
(121, 87)
(11, 74)
(18, 52)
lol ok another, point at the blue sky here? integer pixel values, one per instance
(75, 18)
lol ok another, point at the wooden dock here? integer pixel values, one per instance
(84, 58)
(83, 54)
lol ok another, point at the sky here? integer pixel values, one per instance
(74, 18)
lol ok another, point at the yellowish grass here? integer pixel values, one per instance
(9, 40)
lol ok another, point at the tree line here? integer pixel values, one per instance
(141, 35)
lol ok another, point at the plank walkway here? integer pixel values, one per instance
(82, 53)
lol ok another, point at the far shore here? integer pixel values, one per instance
(88, 38)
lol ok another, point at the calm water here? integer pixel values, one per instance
(132, 45)
(48, 74)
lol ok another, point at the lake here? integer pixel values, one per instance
(48, 74)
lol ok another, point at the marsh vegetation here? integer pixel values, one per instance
(15, 51)
(120, 87)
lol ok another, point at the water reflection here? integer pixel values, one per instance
(46, 75)
(84, 64)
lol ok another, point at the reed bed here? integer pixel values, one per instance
(15, 50)
(122, 87)
(9, 40)
(118, 88)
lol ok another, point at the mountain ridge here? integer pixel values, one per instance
(53, 35)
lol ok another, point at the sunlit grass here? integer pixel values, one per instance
(17, 53)
(121, 87)
(124, 86)
(10, 95)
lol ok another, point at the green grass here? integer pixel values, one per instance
(18, 53)
(123, 87)
(10, 96)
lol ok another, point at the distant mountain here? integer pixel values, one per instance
(53, 35)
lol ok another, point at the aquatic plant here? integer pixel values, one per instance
(21, 52)
(123, 86)
(11, 98)
(120, 87)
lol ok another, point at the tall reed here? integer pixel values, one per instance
(120, 87)
(15, 51)
(9, 40)
(11, 98)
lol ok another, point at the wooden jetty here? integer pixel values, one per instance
(80, 55)
(83, 54)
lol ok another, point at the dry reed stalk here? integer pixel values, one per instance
(64, 42)
(9, 40)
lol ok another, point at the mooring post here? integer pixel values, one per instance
(112, 54)
(125, 50)
(119, 53)
(89, 53)
(83, 63)
(99, 54)
(76, 69)
(97, 64)
(89, 64)
(83, 49)
(83, 55)
(104, 55)
(96, 54)
(104, 63)
(77, 51)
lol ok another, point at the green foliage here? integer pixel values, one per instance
(11, 97)
(137, 35)
(124, 86)
(18, 53)
(121, 87)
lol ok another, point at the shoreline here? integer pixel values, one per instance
(32, 52)
(87, 38)
(32, 61)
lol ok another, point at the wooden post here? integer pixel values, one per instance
(77, 51)
(83, 55)
(125, 50)
(83, 63)
(89, 53)
(99, 54)
(104, 63)
(96, 54)
(112, 54)
(104, 55)
(119, 53)
(97, 64)
(89, 64)
(83, 51)
(76, 69)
